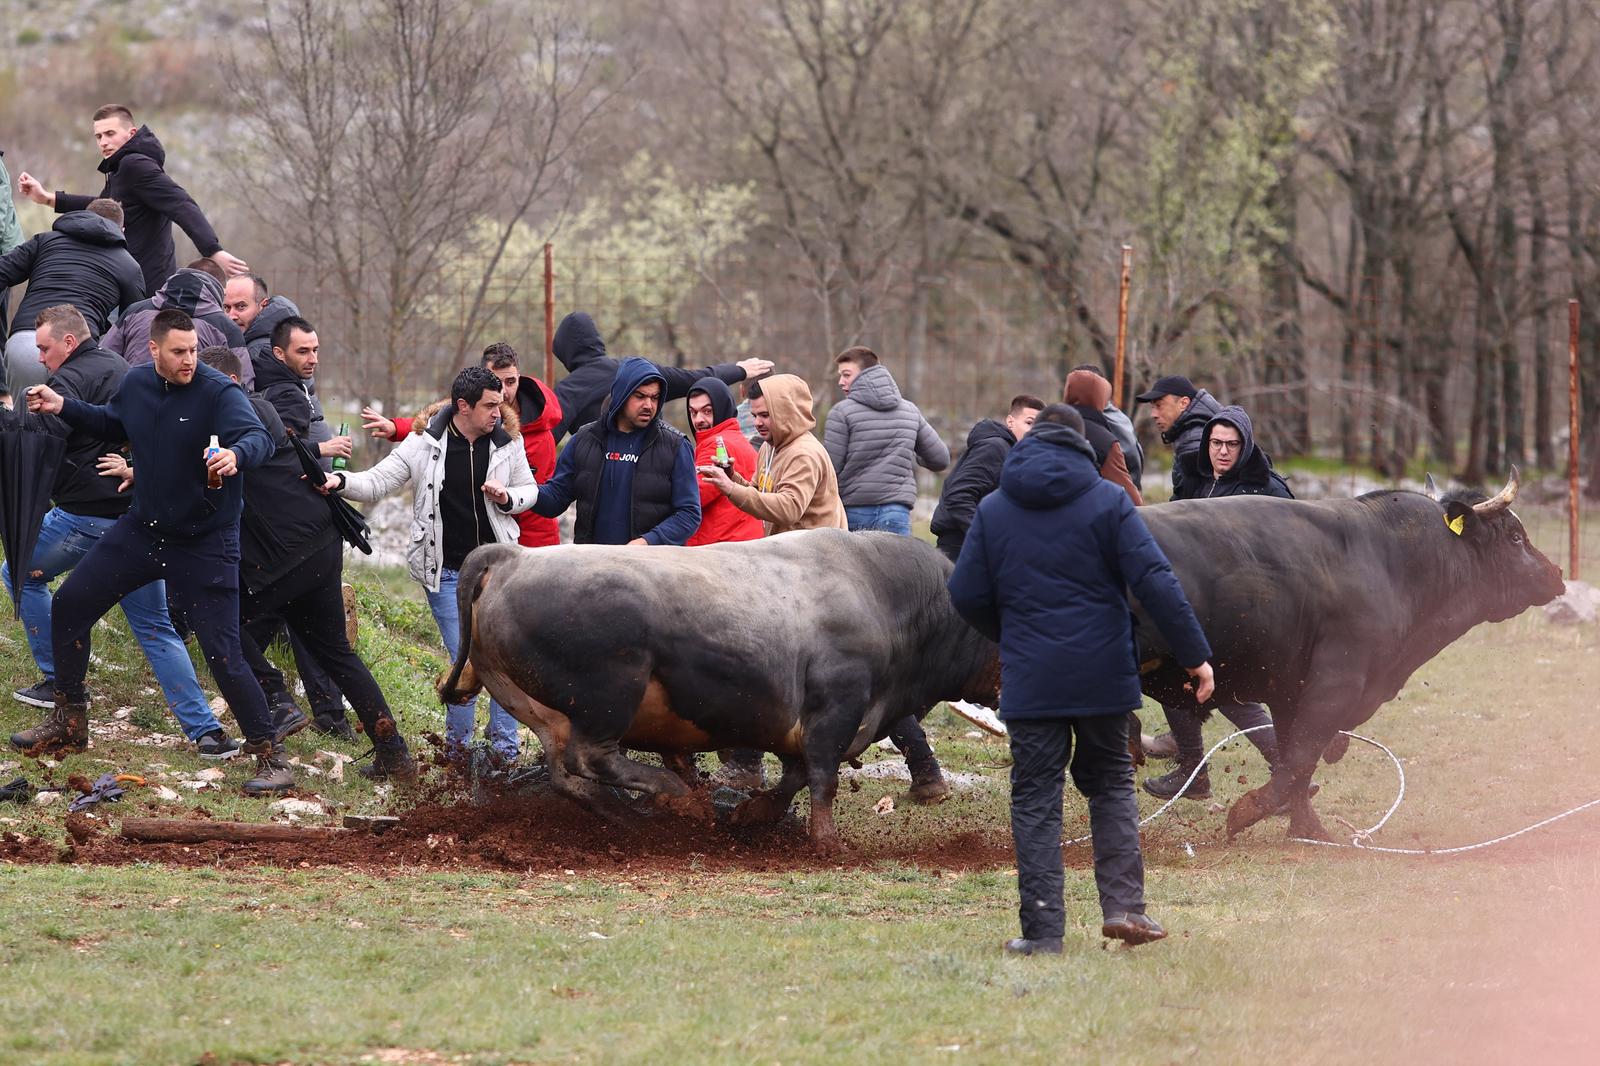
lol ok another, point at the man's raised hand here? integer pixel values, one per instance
(29, 186)
(755, 368)
(231, 265)
(380, 427)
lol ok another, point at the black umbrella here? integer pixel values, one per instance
(351, 523)
(29, 459)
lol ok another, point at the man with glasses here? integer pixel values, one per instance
(1228, 464)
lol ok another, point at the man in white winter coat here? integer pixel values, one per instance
(469, 476)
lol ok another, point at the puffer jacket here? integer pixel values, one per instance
(82, 261)
(876, 437)
(419, 462)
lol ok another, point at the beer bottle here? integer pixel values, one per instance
(339, 461)
(213, 478)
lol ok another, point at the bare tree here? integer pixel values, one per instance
(411, 134)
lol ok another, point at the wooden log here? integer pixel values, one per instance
(180, 831)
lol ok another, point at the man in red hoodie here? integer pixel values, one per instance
(539, 412)
(715, 417)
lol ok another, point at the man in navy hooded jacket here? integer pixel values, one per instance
(1045, 572)
(178, 529)
(631, 474)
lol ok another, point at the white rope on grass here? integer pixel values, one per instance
(1359, 841)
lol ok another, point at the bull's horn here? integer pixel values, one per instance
(1500, 500)
(1430, 490)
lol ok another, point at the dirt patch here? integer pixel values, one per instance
(537, 831)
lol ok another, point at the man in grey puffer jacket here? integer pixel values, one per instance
(876, 438)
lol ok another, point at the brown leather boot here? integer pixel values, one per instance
(273, 772)
(64, 730)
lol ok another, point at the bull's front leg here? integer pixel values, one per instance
(1302, 734)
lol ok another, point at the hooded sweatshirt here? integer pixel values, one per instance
(1184, 435)
(200, 296)
(590, 372)
(795, 486)
(876, 438)
(720, 520)
(977, 474)
(1251, 473)
(151, 203)
(1046, 572)
(1088, 393)
(636, 484)
(82, 261)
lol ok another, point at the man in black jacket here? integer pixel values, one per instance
(82, 261)
(1228, 464)
(132, 160)
(977, 472)
(87, 505)
(1181, 412)
(291, 572)
(257, 312)
(179, 528)
(590, 372)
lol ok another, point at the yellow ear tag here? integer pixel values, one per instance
(1456, 524)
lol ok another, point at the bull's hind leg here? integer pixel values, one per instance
(773, 803)
(1301, 740)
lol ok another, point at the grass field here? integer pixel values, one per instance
(1280, 953)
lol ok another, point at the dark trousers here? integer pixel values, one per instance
(1185, 726)
(321, 693)
(309, 601)
(1041, 749)
(202, 577)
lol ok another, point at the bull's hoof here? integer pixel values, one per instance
(695, 805)
(1247, 810)
(827, 844)
(1309, 827)
(763, 808)
(1336, 749)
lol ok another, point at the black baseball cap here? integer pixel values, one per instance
(1171, 385)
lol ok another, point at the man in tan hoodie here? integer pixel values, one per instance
(795, 486)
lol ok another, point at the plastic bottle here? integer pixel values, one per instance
(721, 457)
(339, 461)
(213, 478)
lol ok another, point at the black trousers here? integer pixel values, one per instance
(1185, 726)
(1041, 750)
(321, 693)
(202, 577)
(309, 601)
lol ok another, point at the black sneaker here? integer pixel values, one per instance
(334, 725)
(1170, 784)
(287, 719)
(41, 695)
(1050, 945)
(217, 745)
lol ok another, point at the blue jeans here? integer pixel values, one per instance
(883, 517)
(64, 539)
(459, 717)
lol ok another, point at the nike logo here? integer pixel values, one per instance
(182, 419)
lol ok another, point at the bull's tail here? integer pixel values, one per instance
(462, 683)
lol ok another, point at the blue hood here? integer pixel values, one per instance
(631, 373)
(1051, 466)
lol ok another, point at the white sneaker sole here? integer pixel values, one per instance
(224, 757)
(32, 701)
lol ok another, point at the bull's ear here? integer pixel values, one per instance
(1458, 516)
(1429, 489)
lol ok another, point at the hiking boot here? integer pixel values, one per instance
(273, 773)
(334, 725)
(391, 764)
(64, 729)
(41, 695)
(287, 718)
(1132, 928)
(1170, 784)
(928, 784)
(217, 745)
(1161, 746)
(1050, 945)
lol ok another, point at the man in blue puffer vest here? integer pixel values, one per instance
(1045, 572)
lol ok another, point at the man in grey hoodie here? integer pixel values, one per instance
(876, 438)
